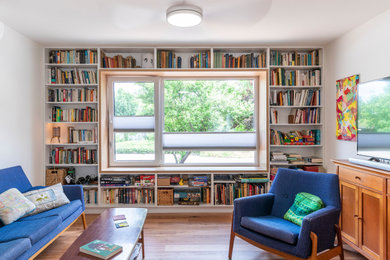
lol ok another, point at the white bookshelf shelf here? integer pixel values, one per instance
(71, 144)
(72, 65)
(293, 87)
(71, 85)
(287, 124)
(72, 165)
(294, 106)
(73, 103)
(295, 67)
(67, 123)
(296, 145)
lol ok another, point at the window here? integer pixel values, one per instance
(184, 120)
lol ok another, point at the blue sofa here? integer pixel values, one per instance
(28, 236)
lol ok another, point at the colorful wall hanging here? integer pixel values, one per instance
(346, 108)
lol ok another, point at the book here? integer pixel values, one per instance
(121, 224)
(119, 217)
(101, 249)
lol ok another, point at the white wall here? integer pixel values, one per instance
(365, 51)
(21, 104)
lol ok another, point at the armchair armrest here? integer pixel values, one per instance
(253, 206)
(322, 223)
(74, 192)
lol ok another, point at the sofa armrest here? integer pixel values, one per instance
(74, 192)
(322, 223)
(253, 206)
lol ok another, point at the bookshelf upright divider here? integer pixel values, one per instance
(287, 65)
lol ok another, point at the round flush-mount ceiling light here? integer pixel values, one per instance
(184, 15)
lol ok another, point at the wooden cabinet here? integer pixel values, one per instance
(363, 208)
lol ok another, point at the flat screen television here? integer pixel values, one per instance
(373, 120)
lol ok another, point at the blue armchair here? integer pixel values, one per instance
(259, 219)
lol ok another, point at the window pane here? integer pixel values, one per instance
(209, 105)
(133, 98)
(134, 147)
(209, 157)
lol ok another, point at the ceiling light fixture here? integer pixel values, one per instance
(184, 15)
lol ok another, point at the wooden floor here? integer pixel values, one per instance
(181, 236)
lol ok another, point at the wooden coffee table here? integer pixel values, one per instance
(103, 228)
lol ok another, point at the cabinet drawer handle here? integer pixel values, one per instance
(357, 178)
(356, 216)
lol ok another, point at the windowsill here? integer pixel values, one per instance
(211, 169)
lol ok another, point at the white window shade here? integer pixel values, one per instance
(185, 141)
(145, 123)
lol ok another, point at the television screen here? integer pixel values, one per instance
(373, 122)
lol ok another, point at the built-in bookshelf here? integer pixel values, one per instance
(71, 116)
(295, 107)
(295, 88)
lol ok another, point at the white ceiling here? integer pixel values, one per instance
(121, 22)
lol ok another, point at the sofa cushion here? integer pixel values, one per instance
(14, 248)
(14, 177)
(304, 204)
(34, 229)
(63, 211)
(273, 227)
(47, 198)
(14, 205)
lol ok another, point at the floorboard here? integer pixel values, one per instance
(182, 236)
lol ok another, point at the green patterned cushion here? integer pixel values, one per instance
(304, 204)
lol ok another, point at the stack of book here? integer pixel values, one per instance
(116, 180)
(278, 158)
(90, 196)
(295, 159)
(192, 196)
(199, 181)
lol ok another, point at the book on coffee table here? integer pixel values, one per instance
(100, 249)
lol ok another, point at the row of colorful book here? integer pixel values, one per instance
(168, 59)
(297, 116)
(91, 196)
(71, 76)
(287, 77)
(249, 60)
(304, 97)
(81, 155)
(82, 136)
(87, 114)
(294, 58)
(118, 61)
(128, 196)
(302, 137)
(73, 57)
(226, 193)
(72, 95)
(200, 60)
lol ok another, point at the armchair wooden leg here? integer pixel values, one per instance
(314, 241)
(231, 244)
(339, 241)
(84, 220)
